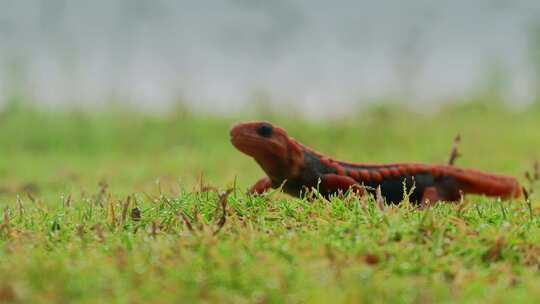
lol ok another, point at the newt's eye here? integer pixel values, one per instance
(265, 130)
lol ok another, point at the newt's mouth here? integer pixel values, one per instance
(241, 140)
(246, 143)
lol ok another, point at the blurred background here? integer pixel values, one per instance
(136, 93)
(227, 55)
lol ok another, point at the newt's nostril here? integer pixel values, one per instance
(235, 130)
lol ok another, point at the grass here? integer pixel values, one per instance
(109, 207)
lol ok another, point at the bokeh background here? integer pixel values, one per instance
(132, 93)
(320, 58)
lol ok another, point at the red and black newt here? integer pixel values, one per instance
(296, 167)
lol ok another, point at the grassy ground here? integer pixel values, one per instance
(68, 231)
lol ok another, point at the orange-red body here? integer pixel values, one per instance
(292, 165)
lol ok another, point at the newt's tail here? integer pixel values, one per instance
(477, 182)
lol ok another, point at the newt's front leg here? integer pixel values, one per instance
(333, 183)
(261, 186)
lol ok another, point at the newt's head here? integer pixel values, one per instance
(278, 155)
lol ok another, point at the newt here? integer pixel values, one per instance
(295, 167)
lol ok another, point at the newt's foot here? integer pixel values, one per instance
(430, 197)
(263, 185)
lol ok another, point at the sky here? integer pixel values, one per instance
(317, 57)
